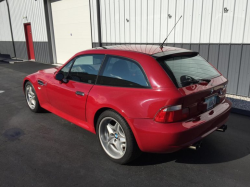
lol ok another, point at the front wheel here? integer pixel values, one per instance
(116, 138)
(31, 98)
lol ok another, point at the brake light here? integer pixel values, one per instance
(171, 114)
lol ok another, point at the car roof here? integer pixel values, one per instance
(152, 50)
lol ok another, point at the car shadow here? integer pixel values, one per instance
(218, 147)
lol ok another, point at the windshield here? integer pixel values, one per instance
(181, 68)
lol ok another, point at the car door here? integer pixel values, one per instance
(70, 97)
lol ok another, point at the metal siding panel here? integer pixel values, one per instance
(224, 51)
(138, 20)
(92, 20)
(170, 44)
(206, 21)
(239, 21)
(21, 50)
(204, 50)
(171, 21)
(132, 21)
(164, 20)
(179, 26)
(186, 46)
(195, 47)
(117, 22)
(103, 20)
(122, 21)
(127, 24)
(144, 21)
(247, 25)
(41, 48)
(157, 21)
(233, 69)
(227, 22)
(24, 11)
(187, 21)
(216, 21)
(244, 75)
(150, 21)
(6, 47)
(95, 21)
(4, 22)
(196, 23)
(213, 54)
(178, 45)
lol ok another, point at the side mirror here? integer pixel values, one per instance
(59, 76)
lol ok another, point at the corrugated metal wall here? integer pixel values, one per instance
(218, 29)
(24, 11)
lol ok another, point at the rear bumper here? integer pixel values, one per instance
(166, 138)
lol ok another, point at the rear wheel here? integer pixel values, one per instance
(116, 138)
(31, 98)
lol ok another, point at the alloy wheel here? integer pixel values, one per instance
(30, 97)
(112, 137)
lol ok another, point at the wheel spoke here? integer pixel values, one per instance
(115, 126)
(110, 129)
(30, 90)
(117, 146)
(120, 131)
(33, 101)
(111, 140)
(122, 140)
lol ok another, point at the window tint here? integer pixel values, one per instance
(66, 68)
(180, 67)
(122, 72)
(85, 68)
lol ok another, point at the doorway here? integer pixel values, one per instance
(29, 41)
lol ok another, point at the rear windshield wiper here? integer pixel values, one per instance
(206, 80)
(187, 80)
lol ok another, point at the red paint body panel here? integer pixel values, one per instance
(137, 105)
(161, 137)
(29, 41)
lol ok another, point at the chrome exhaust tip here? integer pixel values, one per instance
(223, 128)
(196, 145)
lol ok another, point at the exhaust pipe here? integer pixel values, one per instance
(223, 128)
(196, 145)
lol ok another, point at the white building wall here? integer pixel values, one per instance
(222, 37)
(24, 11)
(203, 21)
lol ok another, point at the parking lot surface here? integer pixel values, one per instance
(46, 150)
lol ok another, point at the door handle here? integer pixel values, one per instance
(79, 93)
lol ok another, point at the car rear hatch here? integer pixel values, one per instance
(201, 85)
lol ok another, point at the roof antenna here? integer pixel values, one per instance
(161, 46)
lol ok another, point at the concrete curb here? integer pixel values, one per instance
(240, 111)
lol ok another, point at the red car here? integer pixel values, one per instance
(135, 97)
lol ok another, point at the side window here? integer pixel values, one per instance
(122, 72)
(85, 68)
(66, 68)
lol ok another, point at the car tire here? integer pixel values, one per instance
(116, 138)
(31, 98)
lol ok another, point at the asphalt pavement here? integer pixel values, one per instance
(46, 150)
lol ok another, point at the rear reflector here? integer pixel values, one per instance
(171, 114)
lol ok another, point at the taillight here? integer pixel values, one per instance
(171, 114)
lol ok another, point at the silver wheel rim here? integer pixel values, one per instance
(30, 97)
(112, 137)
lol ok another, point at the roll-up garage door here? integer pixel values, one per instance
(72, 32)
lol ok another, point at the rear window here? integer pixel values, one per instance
(185, 66)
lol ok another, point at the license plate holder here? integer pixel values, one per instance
(211, 101)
